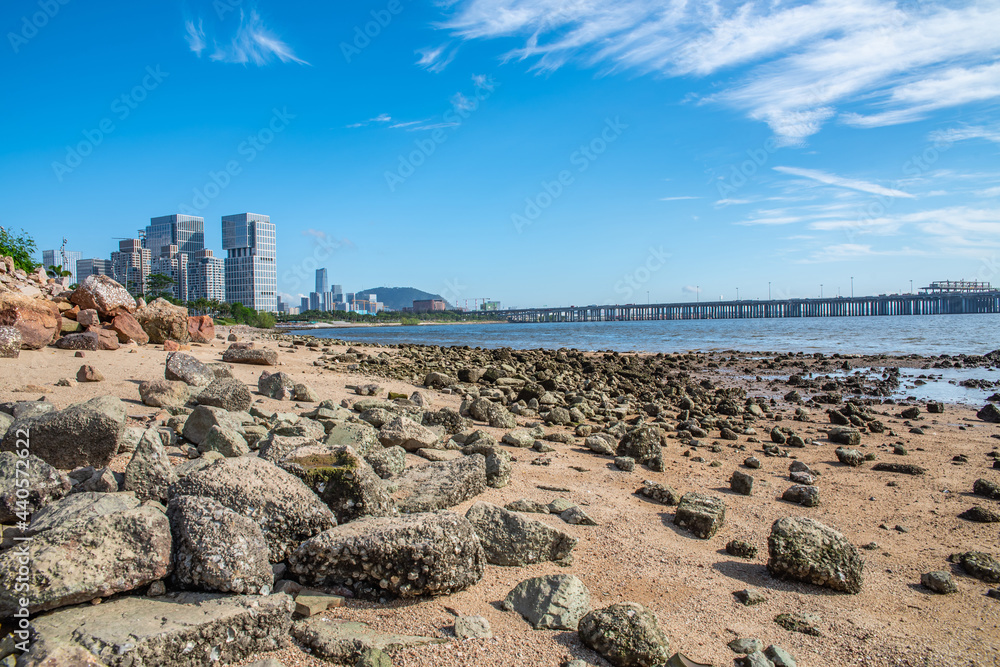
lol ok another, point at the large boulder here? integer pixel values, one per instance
(255, 356)
(643, 444)
(701, 514)
(181, 630)
(128, 329)
(511, 539)
(990, 413)
(552, 602)
(441, 484)
(225, 441)
(149, 474)
(807, 550)
(278, 385)
(45, 484)
(485, 410)
(216, 549)
(498, 466)
(81, 435)
(79, 508)
(286, 510)
(105, 555)
(201, 328)
(342, 479)
(432, 553)
(226, 393)
(626, 634)
(274, 447)
(406, 433)
(164, 393)
(10, 342)
(103, 294)
(361, 437)
(187, 369)
(37, 321)
(345, 642)
(163, 321)
(204, 417)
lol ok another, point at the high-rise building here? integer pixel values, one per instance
(206, 276)
(171, 262)
(64, 259)
(187, 232)
(328, 301)
(321, 281)
(314, 301)
(337, 290)
(251, 276)
(130, 265)
(304, 304)
(92, 267)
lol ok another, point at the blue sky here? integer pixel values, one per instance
(532, 151)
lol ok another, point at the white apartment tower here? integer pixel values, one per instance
(251, 276)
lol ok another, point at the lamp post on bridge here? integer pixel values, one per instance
(852, 287)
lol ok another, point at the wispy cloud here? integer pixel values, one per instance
(195, 36)
(955, 134)
(846, 252)
(798, 62)
(253, 43)
(841, 182)
(436, 59)
(380, 119)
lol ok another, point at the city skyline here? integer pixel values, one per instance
(622, 154)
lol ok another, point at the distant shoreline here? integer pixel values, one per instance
(355, 325)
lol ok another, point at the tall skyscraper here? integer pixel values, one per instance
(251, 276)
(321, 281)
(304, 304)
(64, 259)
(206, 276)
(171, 262)
(130, 265)
(187, 232)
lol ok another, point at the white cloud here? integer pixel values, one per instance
(956, 134)
(841, 182)
(436, 59)
(195, 36)
(691, 289)
(844, 252)
(253, 43)
(799, 63)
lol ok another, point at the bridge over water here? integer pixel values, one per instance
(862, 306)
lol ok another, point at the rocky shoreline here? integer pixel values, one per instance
(216, 496)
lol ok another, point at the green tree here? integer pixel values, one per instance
(159, 285)
(57, 272)
(21, 248)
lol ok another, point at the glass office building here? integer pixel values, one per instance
(187, 232)
(251, 276)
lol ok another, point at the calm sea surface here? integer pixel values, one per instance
(925, 335)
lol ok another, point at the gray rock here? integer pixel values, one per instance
(525, 505)
(625, 463)
(10, 342)
(406, 433)
(626, 635)
(702, 515)
(226, 393)
(81, 435)
(755, 659)
(45, 485)
(257, 357)
(807, 550)
(430, 553)
(494, 414)
(472, 627)
(226, 441)
(216, 549)
(305, 394)
(850, 457)
(741, 483)
(748, 597)
(779, 656)
(387, 462)
(360, 437)
(849, 437)
(575, 516)
(136, 631)
(78, 508)
(980, 565)
(746, 645)
(347, 642)
(990, 413)
(558, 416)
(185, 368)
(498, 467)
(105, 555)
(644, 444)
(601, 443)
(278, 385)
(286, 510)
(553, 602)
(521, 437)
(807, 496)
(149, 473)
(203, 418)
(440, 485)
(939, 581)
(170, 394)
(986, 488)
(511, 539)
(274, 447)
(659, 493)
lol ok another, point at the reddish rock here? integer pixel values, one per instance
(37, 321)
(104, 295)
(80, 354)
(163, 321)
(174, 346)
(88, 318)
(128, 329)
(107, 339)
(89, 374)
(201, 328)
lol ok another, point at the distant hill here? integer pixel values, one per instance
(398, 298)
